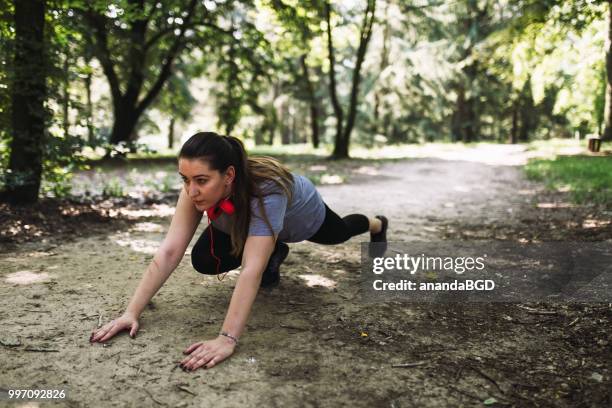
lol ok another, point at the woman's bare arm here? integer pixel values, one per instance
(257, 251)
(183, 226)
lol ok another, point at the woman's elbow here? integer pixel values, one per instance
(252, 273)
(169, 255)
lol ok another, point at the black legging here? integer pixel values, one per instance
(334, 230)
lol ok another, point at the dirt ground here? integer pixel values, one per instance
(312, 342)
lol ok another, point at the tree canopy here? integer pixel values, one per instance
(317, 71)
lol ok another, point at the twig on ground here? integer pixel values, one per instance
(185, 389)
(542, 312)
(10, 343)
(531, 310)
(99, 319)
(573, 322)
(108, 358)
(435, 350)
(458, 373)
(288, 326)
(484, 375)
(153, 398)
(36, 311)
(40, 350)
(407, 365)
(526, 385)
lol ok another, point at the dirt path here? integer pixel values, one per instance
(305, 342)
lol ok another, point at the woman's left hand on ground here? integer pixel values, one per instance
(207, 353)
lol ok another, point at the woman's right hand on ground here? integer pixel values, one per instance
(125, 322)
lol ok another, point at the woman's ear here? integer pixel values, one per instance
(230, 175)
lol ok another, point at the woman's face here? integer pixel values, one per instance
(203, 185)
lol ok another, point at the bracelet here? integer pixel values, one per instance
(229, 336)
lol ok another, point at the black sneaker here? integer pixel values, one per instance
(380, 238)
(271, 275)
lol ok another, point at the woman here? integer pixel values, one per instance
(255, 206)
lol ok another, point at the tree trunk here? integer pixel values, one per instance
(294, 132)
(88, 57)
(28, 111)
(338, 112)
(66, 95)
(273, 112)
(129, 105)
(124, 126)
(233, 104)
(468, 111)
(526, 121)
(514, 130)
(171, 133)
(527, 113)
(458, 119)
(341, 148)
(312, 102)
(600, 115)
(284, 123)
(272, 125)
(607, 135)
(314, 124)
(386, 125)
(366, 35)
(89, 109)
(384, 63)
(261, 129)
(470, 128)
(260, 132)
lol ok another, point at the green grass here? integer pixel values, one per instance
(556, 144)
(587, 178)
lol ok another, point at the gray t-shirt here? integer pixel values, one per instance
(293, 221)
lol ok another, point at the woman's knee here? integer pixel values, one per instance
(203, 264)
(337, 237)
(201, 258)
(356, 224)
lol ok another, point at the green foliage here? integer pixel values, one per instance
(559, 47)
(6, 52)
(177, 101)
(542, 61)
(61, 152)
(113, 188)
(61, 159)
(242, 64)
(588, 178)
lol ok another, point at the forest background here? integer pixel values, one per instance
(81, 80)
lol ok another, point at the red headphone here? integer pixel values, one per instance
(224, 206)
